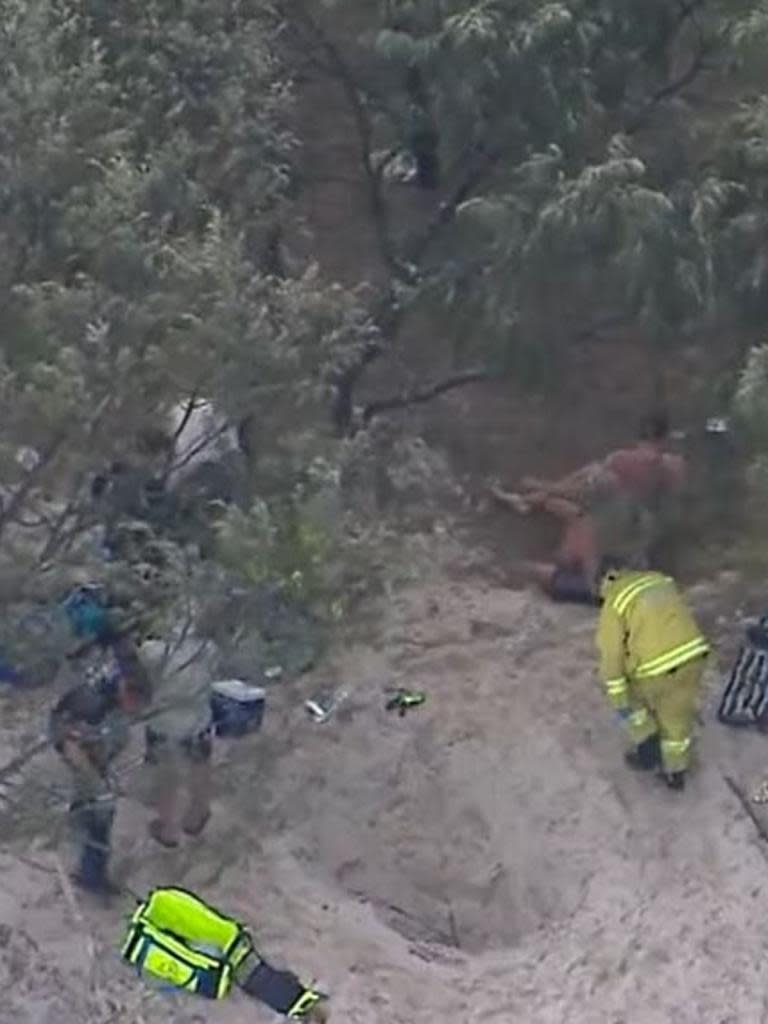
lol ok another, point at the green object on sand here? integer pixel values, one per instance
(404, 700)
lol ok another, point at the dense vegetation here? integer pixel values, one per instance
(579, 164)
(583, 164)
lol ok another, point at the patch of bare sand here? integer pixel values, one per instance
(487, 858)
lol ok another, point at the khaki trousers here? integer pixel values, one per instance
(666, 705)
(182, 781)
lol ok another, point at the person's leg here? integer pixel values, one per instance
(570, 577)
(674, 699)
(643, 730)
(572, 585)
(92, 872)
(564, 509)
(537, 499)
(517, 502)
(164, 758)
(198, 784)
(93, 812)
(570, 486)
(535, 483)
(576, 550)
(578, 544)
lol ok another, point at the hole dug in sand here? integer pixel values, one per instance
(476, 853)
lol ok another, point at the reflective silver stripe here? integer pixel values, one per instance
(617, 692)
(625, 596)
(674, 659)
(675, 754)
(616, 685)
(677, 746)
(682, 650)
(634, 589)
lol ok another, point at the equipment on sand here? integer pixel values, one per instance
(321, 707)
(403, 701)
(237, 708)
(179, 941)
(745, 696)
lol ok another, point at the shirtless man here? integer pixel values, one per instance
(640, 471)
(625, 501)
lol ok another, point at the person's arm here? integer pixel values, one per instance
(76, 755)
(610, 644)
(136, 689)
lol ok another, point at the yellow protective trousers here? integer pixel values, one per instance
(666, 705)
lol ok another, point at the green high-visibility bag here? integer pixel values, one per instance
(177, 939)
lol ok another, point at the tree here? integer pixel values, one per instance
(145, 161)
(545, 123)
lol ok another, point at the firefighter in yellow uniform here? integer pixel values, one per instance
(651, 662)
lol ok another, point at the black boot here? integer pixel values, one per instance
(92, 874)
(646, 756)
(104, 888)
(675, 780)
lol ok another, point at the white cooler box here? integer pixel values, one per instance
(237, 707)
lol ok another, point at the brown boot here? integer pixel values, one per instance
(193, 826)
(160, 834)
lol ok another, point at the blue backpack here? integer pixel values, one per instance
(87, 613)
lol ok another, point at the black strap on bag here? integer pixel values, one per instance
(281, 991)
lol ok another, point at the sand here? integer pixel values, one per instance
(487, 858)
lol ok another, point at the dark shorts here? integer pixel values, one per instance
(197, 749)
(571, 585)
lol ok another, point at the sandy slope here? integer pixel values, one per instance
(485, 859)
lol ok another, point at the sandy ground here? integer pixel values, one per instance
(485, 859)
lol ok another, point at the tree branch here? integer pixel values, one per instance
(697, 65)
(422, 395)
(390, 314)
(458, 380)
(481, 162)
(686, 11)
(340, 70)
(16, 763)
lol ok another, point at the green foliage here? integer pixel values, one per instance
(751, 397)
(147, 163)
(748, 30)
(145, 158)
(295, 541)
(568, 139)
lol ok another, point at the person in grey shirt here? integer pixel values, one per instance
(179, 734)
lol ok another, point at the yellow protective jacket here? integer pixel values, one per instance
(645, 630)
